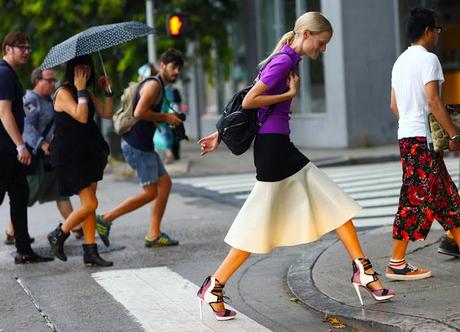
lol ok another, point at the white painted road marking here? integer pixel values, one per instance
(161, 300)
(375, 186)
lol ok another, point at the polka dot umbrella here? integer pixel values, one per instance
(95, 39)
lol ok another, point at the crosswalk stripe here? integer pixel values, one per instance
(375, 186)
(161, 300)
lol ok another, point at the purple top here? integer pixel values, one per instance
(275, 75)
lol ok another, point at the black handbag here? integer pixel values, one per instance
(237, 126)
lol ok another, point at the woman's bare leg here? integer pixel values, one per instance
(235, 258)
(347, 234)
(456, 235)
(88, 205)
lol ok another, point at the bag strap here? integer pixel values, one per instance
(269, 60)
(156, 78)
(168, 103)
(272, 106)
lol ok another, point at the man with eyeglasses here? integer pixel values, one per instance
(13, 151)
(38, 132)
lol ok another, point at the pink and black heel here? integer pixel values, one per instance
(212, 292)
(362, 279)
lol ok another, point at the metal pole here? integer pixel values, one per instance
(305, 82)
(149, 16)
(397, 27)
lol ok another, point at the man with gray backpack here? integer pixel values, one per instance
(139, 151)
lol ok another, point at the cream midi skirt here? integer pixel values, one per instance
(298, 209)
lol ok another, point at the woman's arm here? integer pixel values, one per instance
(209, 143)
(66, 103)
(256, 98)
(104, 110)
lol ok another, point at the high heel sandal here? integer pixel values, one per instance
(362, 279)
(212, 292)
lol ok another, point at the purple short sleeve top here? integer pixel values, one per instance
(275, 75)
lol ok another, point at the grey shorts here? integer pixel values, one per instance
(147, 164)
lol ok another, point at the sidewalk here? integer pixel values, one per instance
(320, 280)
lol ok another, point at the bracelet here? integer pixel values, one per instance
(82, 93)
(21, 147)
(108, 94)
(455, 138)
(82, 100)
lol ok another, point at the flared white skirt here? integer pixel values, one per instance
(296, 210)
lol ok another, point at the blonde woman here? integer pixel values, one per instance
(293, 202)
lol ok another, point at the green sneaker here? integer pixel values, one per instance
(103, 229)
(162, 241)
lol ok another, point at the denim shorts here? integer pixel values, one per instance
(147, 164)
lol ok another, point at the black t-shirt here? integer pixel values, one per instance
(10, 89)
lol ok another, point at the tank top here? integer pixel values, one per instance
(141, 135)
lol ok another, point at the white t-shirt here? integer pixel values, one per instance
(411, 72)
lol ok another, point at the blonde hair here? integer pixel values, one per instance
(315, 22)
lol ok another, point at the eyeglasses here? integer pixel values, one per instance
(23, 48)
(437, 29)
(50, 80)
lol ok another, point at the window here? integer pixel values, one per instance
(279, 17)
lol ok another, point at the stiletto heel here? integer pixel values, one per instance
(210, 292)
(200, 305)
(362, 279)
(357, 292)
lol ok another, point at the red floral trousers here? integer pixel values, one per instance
(427, 192)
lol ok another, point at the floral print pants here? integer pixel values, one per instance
(427, 192)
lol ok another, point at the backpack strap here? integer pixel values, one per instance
(270, 59)
(272, 106)
(158, 79)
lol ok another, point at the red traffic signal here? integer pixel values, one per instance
(177, 25)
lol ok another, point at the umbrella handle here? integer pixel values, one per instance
(103, 69)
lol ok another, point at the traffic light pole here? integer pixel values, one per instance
(149, 15)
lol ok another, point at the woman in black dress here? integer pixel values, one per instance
(79, 153)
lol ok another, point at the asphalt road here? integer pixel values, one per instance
(64, 296)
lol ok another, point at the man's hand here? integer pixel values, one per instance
(172, 119)
(24, 157)
(46, 148)
(454, 146)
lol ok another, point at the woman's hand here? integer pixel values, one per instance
(293, 83)
(82, 74)
(209, 143)
(105, 83)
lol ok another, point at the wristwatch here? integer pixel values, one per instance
(455, 138)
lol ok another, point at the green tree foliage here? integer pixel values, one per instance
(50, 22)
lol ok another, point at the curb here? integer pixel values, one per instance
(347, 161)
(300, 282)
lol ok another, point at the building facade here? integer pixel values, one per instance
(345, 95)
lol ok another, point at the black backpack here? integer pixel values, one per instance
(237, 127)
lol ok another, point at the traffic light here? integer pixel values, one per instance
(177, 25)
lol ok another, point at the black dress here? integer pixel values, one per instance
(78, 152)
